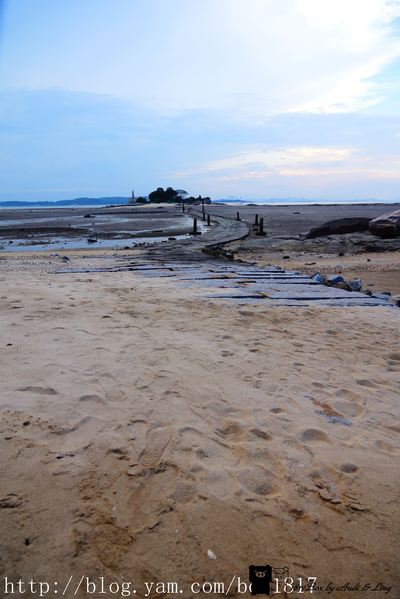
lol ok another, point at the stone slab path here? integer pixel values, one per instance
(190, 264)
(272, 286)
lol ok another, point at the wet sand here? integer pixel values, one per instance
(70, 228)
(297, 219)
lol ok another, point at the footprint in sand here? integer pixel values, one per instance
(350, 403)
(208, 451)
(366, 383)
(184, 492)
(348, 394)
(257, 480)
(230, 430)
(348, 468)
(94, 399)
(153, 495)
(261, 434)
(157, 442)
(111, 389)
(10, 501)
(215, 483)
(394, 428)
(39, 390)
(314, 434)
(348, 409)
(386, 447)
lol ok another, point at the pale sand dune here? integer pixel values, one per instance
(142, 426)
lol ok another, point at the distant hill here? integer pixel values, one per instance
(75, 202)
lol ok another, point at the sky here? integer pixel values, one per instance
(250, 99)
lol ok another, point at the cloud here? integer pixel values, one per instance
(313, 162)
(274, 160)
(249, 59)
(57, 145)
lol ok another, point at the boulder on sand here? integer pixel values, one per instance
(339, 226)
(335, 279)
(355, 284)
(387, 225)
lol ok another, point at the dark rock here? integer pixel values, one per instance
(65, 259)
(387, 225)
(355, 284)
(91, 240)
(343, 285)
(335, 279)
(318, 278)
(339, 226)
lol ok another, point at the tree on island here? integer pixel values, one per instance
(175, 196)
(168, 196)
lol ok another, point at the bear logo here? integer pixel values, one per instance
(260, 578)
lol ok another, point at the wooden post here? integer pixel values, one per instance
(256, 219)
(237, 216)
(204, 215)
(194, 226)
(261, 225)
(183, 207)
(208, 220)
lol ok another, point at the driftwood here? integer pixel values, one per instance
(339, 226)
(387, 225)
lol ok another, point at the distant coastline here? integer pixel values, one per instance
(118, 200)
(58, 203)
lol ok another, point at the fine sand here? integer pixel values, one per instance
(142, 426)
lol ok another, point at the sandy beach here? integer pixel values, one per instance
(200, 299)
(149, 434)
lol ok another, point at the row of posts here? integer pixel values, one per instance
(194, 231)
(258, 221)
